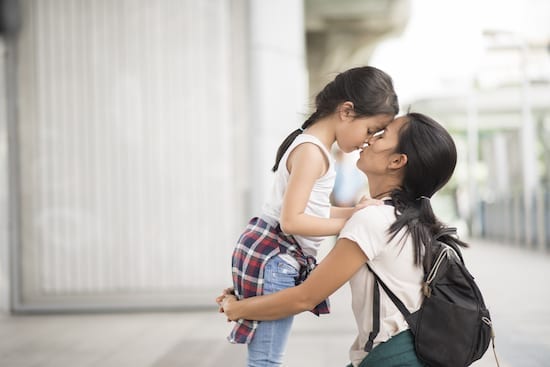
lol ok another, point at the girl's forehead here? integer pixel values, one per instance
(381, 121)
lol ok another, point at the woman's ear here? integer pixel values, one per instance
(398, 161)
(346, 110)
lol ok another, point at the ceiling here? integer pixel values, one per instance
(344, 33)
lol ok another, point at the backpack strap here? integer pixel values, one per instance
(396, 301)
(376, 308)
(447, 231)
(451, 232)
(375, 316)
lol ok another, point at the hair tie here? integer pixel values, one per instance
(422, 197)
(301, 129)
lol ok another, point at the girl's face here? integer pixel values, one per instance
(354, 132)
(377, 156)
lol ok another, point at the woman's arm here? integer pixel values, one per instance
(336, 269)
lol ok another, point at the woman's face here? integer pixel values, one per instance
(377, 156)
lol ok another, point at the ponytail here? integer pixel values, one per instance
(417, 216)
(290, 139)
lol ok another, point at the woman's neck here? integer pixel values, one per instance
(383, 188)
(381, 195)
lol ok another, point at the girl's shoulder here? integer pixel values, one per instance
(311, 152)
(307, 138)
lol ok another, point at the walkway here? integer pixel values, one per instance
(514, 282)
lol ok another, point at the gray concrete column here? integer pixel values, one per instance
(4, 236)
(500, 165)
(278, 89)
(528, 143)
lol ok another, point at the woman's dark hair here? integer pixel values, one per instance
(368, 88)
(431, 160)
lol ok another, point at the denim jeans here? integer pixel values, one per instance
(269, 341)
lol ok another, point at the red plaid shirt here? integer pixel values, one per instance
(259, 243)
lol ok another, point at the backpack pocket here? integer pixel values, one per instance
(443, 333)
(485, 335)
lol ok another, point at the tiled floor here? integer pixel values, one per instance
(513, 281)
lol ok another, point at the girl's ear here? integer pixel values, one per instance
(398, 161)
(346, 110)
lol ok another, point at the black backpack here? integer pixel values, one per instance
(453, 327)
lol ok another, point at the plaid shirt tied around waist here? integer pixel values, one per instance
(260, 242)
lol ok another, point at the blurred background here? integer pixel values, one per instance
(136, 137)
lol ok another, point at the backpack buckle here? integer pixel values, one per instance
(426, 290)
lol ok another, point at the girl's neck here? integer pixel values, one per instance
(324, 130)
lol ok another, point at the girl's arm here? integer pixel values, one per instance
(341, 212)
(344, 212)
(336, 269)
(306, 164)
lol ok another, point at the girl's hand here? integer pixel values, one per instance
(366, 201)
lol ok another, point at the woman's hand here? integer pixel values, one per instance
(227, 306)
(219, 300)
(225, 302)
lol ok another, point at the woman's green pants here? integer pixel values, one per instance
(396, 352)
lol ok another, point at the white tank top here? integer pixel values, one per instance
(319, 200)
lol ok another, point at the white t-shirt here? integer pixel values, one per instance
(393, 261)
(319, 200)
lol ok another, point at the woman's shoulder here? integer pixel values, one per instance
(368, 228)
(377, 214)
(373, 218)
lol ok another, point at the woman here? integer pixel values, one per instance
(411, 160)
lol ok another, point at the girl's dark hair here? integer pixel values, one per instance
(431, 160)
(368, 88)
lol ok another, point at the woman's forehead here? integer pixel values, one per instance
(397, 123)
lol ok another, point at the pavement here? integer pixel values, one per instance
(513, 280)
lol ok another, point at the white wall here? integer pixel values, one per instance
(127, 153)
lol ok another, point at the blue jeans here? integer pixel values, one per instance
(269, 342)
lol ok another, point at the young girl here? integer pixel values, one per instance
(277, 250)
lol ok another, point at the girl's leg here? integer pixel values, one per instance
(269, 342)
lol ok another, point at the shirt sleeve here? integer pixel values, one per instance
(368, 227)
